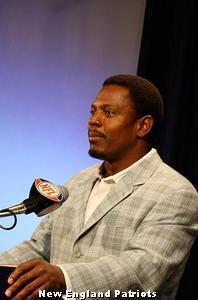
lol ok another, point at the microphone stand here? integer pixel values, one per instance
(44, 198)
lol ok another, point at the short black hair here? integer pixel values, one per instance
(145, 97)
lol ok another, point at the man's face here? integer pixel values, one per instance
(112, 126)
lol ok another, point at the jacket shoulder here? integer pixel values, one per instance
(172, 179)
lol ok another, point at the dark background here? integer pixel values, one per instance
(169, 58)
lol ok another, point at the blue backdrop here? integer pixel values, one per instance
(54, 56)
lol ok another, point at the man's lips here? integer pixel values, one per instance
(95, 135)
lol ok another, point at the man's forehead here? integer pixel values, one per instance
(114, 89)
(112, 94)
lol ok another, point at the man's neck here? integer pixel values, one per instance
(113, 167)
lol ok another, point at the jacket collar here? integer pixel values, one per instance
(139, 171)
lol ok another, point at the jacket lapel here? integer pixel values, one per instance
(116, 194)
(85, 188)
(133, 179)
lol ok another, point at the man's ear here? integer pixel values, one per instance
(144, 125)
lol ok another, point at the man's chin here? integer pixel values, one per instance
(96, 154)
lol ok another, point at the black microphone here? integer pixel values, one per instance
(44, 198)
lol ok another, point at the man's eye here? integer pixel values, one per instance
(92, 112)
(108, 113)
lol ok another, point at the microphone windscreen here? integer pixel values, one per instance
(49, 196)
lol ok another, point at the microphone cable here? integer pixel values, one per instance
(15, 219)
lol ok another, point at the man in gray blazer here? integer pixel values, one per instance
(128, 225)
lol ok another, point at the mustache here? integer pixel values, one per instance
(92, 132)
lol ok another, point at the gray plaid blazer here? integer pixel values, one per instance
(138, 238)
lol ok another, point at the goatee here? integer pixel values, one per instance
(95, 154)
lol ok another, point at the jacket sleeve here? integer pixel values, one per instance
(37, 247)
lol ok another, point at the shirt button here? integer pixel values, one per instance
(77, 253)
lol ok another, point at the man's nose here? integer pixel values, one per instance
(95, 120)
